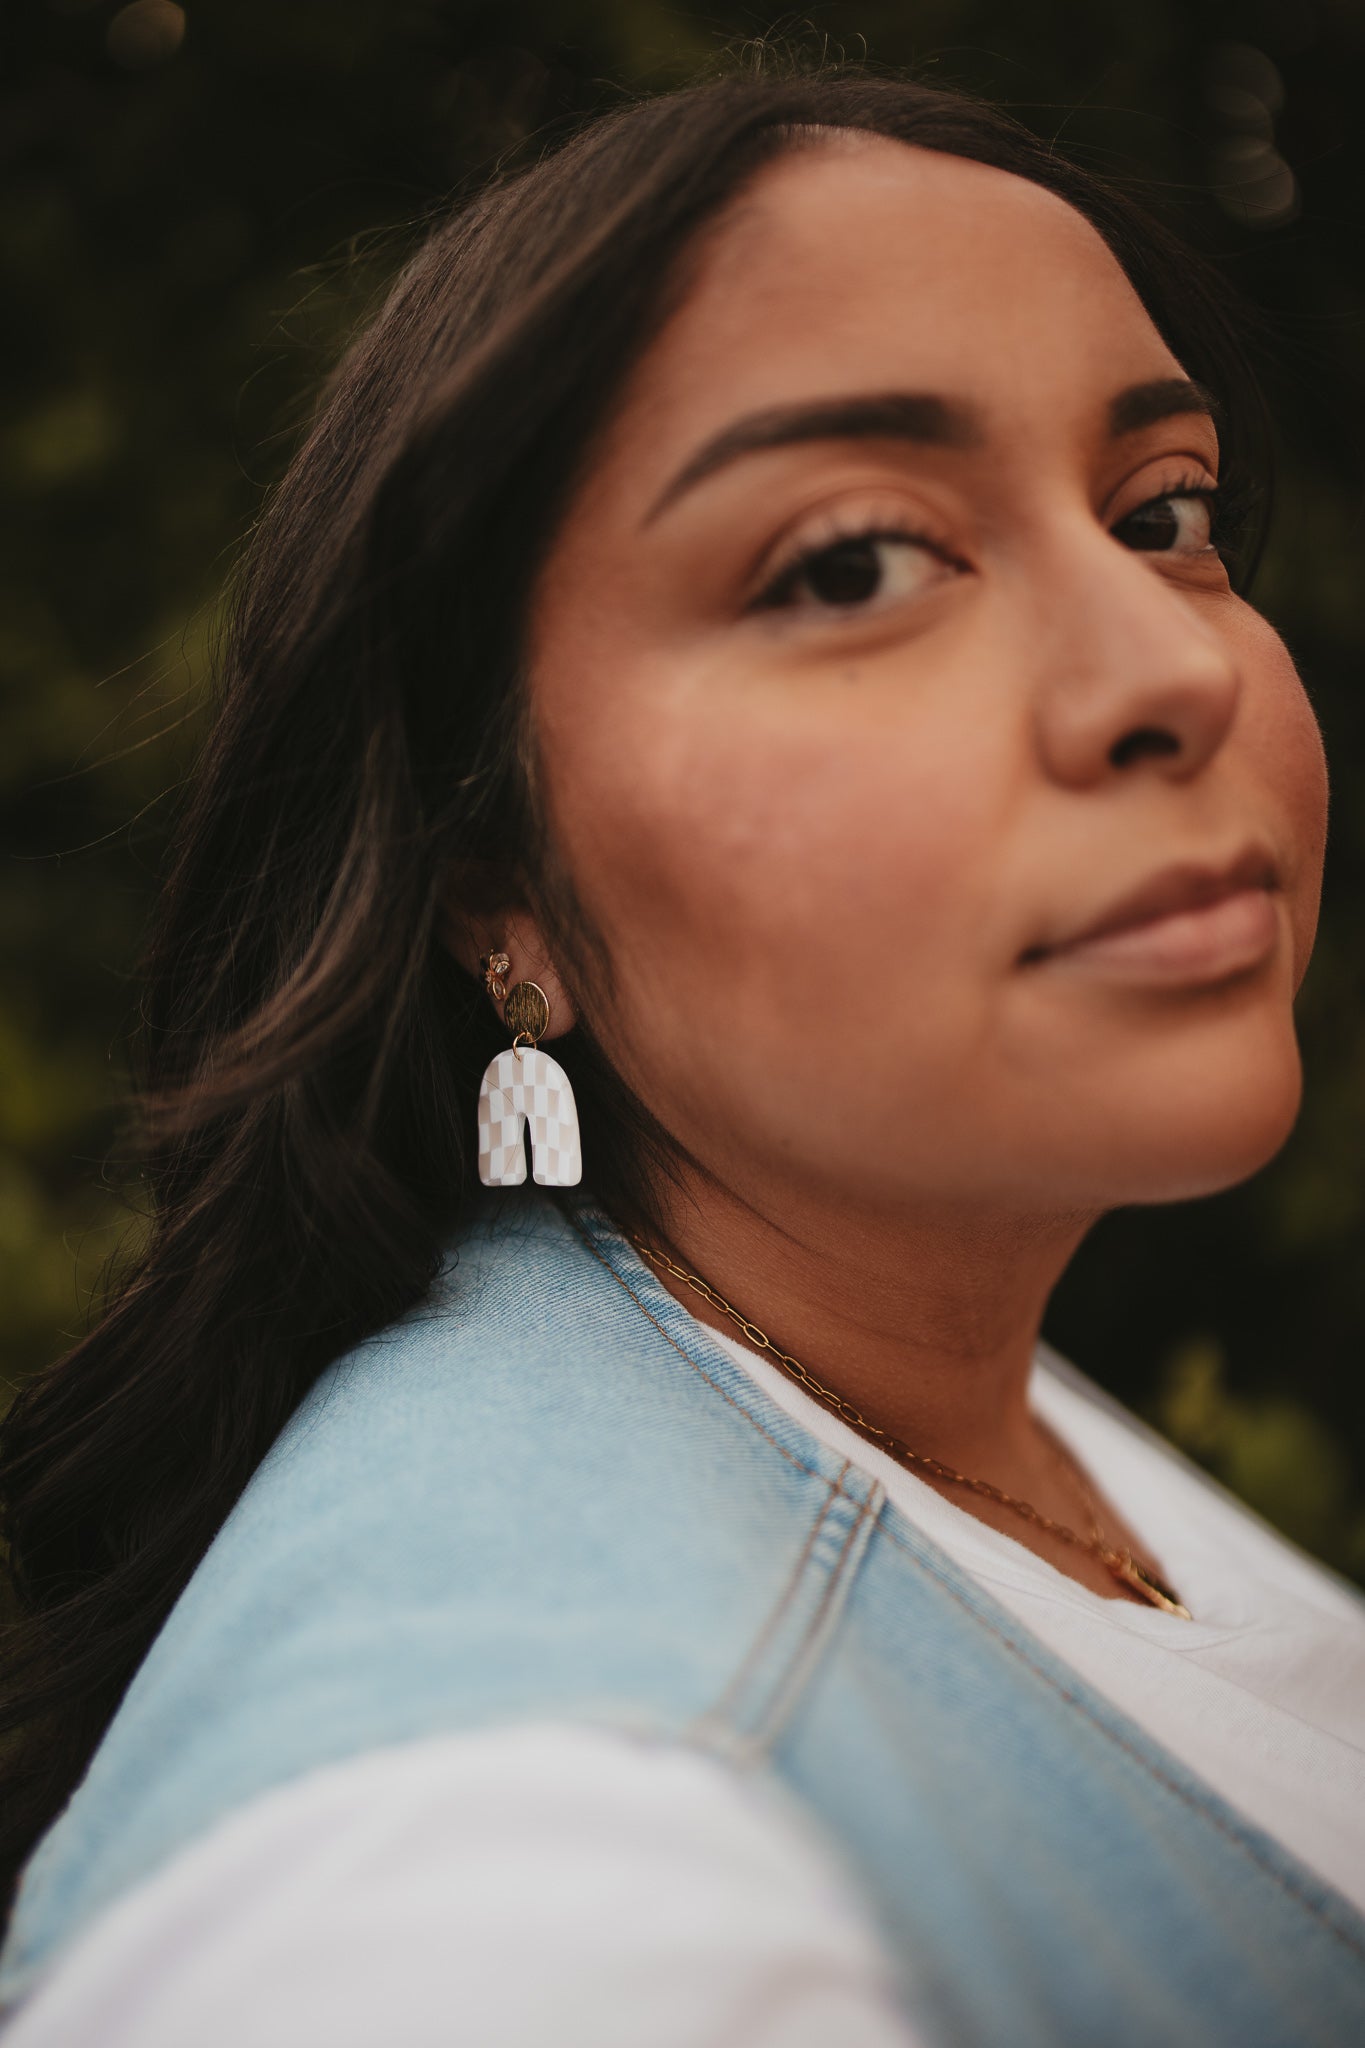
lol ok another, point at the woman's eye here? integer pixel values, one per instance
(1181, 523)
(853, 572)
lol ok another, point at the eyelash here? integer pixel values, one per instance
(1224, 507)
(777, 588)
(1189, 486)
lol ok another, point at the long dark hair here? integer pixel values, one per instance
(310, 1051)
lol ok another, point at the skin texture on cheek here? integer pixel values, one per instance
(780, 894)
(1286, 759)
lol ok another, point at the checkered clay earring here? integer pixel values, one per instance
(523, 1088)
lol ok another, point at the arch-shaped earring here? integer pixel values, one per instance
(524, 1092)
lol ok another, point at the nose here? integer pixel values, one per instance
(1135, 677)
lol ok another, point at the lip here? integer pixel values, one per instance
(1187, 922)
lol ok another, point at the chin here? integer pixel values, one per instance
(1205, 1131)
(1171, 1106)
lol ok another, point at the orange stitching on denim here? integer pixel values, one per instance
(726, 1706)
(773, 1721)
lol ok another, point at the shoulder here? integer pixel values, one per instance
(526, 1499)
(539, 1430)
(524, 1484)
(535, 1337)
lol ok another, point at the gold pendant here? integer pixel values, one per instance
(1129, 1572)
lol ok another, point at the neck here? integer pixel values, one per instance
(925, 1320)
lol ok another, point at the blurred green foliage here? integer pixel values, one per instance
(196, 205)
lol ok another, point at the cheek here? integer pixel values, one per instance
(1283, 742)
(783, 870)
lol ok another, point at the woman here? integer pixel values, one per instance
(754, 623)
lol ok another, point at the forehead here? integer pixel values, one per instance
(860, 263)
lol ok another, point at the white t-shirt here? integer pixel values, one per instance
(549, 1884)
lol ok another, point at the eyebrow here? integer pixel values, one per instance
(1146, 405)
(918, 416)
(894, 415)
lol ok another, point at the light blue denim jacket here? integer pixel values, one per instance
(548, 1493)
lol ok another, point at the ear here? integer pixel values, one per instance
(472, 932)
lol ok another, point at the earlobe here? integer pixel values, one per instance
(514, 938)
(529, 960)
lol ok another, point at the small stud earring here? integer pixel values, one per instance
(524, 1089)
(495, 966)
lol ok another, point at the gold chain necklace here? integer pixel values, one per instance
(1120, 1564)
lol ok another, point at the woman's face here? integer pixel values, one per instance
(882, 654)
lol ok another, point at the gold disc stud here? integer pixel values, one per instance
(527, 1010)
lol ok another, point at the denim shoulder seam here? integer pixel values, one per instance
(766, 1688)
(726, 1707)
(755, 1695)
(792, 1678)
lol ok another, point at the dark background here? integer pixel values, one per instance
(197, 204)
